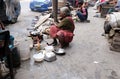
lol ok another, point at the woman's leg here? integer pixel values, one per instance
(64, 38)
(62, 42)
(53, 32)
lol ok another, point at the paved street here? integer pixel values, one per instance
(88, 56)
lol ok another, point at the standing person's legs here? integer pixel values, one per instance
(96, 4)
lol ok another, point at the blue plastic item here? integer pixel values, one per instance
(11, 44)
(40, 5)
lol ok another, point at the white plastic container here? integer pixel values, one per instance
(50, 56)
(38, 57)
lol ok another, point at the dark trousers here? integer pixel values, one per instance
(107, 27)
(81, 16)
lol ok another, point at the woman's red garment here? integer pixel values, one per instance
(64, 32)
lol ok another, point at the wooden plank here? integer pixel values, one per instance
(41, 20)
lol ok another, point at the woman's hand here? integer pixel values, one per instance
(55, 23)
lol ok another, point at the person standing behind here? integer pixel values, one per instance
(72, 2)
(69, 6)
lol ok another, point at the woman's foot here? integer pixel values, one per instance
(54, 43)
(87, 21)
(60, 51)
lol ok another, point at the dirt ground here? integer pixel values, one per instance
(88, 56)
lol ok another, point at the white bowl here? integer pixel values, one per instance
(38, 57)
(50, 56)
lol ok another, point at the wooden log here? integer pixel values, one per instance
(41, 21)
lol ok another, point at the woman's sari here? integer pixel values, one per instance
(64, 30)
